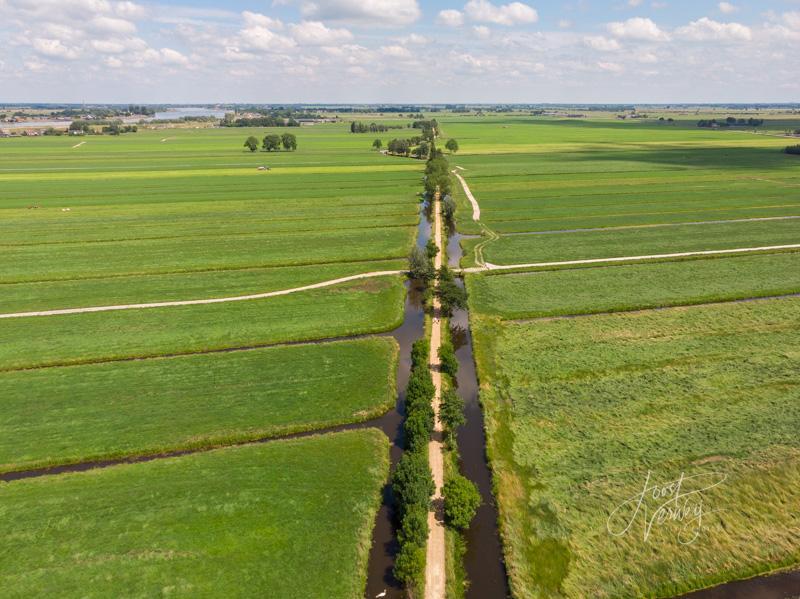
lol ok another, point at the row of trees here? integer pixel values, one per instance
(260, 121)
(793, 149)
(109, 127)
(412, 482)
(359, 127)
(272, 142)
(731, 122)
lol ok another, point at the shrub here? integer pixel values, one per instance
(420, 266)
(420, 389)
(419, 353)
(793, 149)
(451, 411)
(418, 428)
(414, 527)
(447, 357)
(461, 501)
(409, 567)
(448, 207)
(412, 482)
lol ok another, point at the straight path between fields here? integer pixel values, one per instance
(487, 266)
(435, 560)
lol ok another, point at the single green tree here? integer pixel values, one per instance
(251, 143)
(377, 144)
(272, 142)
(461, 501)
(414, 527)
(412, 483)
(419, 265)
(289, 141)
(451, 411)
(452, 146)
(409, 567)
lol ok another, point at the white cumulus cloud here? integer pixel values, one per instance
(315, 33)
(705, 29)
(727, 8)
(515, 13)
(381, 13)
(601, 43)
(638, 28)
(450, 18)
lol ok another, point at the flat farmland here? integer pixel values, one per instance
(581, 411)
(685, 380)
(264, 519)
(568, 292)
(140, 407)
(555, 175)
(163, 216)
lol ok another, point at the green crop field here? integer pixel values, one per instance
(582, 410)
(186, 214)
(633, 286)
(188, 402)
(579, 410)
(284, 519)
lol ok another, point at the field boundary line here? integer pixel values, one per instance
(493, 267)
(754, 219)
(218, 300)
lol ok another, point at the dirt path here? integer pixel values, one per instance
(78, 145)
(652, 226)
(489, 266)
(218, 300)
(476, 209)
(435, 563)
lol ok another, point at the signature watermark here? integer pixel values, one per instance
(678, 502)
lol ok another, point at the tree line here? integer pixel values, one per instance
(108, 127)
(360, 127)
(260, 121)
(731, 122)
(793, 149)
(272, 142)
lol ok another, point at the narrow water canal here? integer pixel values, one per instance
(483, 561)
(384, 539)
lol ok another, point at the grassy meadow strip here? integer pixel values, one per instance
(84, 228)
(637, 242)
(368, 306)
(283, 519)
(190, 401)
(75, 261)
(614, 288)
(614, 397)
(118, 290)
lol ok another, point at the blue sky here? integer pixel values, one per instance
(399, 51)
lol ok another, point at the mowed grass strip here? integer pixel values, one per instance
(119, 290)
(368, 306)
(286, 519)
(633, 286)
(580, 411)
(99, 411)
(639, 242)
(47, 262)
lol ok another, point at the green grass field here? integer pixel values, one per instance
(284, 519)
(579, 410)
(185, 214)
(633, 286)
(97, 411)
